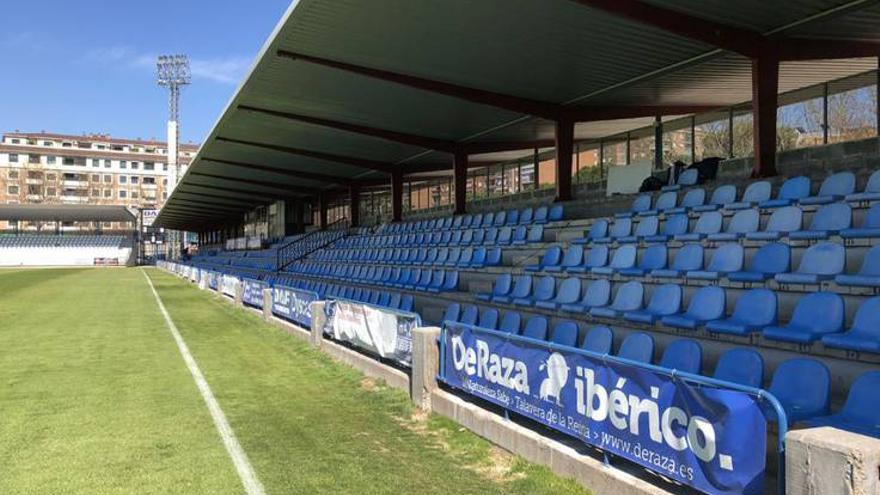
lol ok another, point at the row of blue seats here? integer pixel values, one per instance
(526, 216)
(497, 236)
(804, 401)
(837, 187)
(817, 316)
(393, 300)
(469, 257)
(820, 262)
(426, 280)
(51, 240)
(828, 220)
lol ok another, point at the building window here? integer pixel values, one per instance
(123, 164)
(134, 165)
(13, 174)
(106, 163)
(66, 145)
(67, 160)
(123, 179)
(134, 179)
(50, 176)
(123, 194)
(16, 141)
(164, 182)
(50, 159)
(50, 191)
(164, 167)
(149, 180)
(134, 195)
(96, 162)
(108, 179)
(12, 189)
(108, 193)
(149, 166)
(96, 192)
(96, 178)
(48, 143)
(13, 158)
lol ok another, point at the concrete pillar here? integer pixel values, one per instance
(828, 461)
(765, 85)
(239, 288)
(564, 153)
(396, 196)
(354, 195)
(319, 320)
(658, 143)
(459, 179)
(425, 365)
(267, 304)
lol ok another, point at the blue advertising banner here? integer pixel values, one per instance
(252, 292)
(293, 304)
(213, 281)
(709, 438)
(383, 331)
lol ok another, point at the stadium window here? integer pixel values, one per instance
(123, 179)
(50, 159)
(13, 158)
(12, 190)
(587, 168)
(123, 194)
(149, 166)
(742, 133)
(852, 109)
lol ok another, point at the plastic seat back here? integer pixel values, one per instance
(789, 386)
(683, 355)
(709, 223)
(839, 184)
(522, 287)
(469, 315)
(597, 256)
(744, 221)
(819, 312)
(629, 297)
(598, 293)
(512, 217)
(727, 258)
(654, 257)
(872, 217)
(723, 195)
(756, 307)
(871, 263)
(689, 257)
(622, 227)
(757, 192)
(574, 256)
(500, 219)
(556, 213)
(552, 256)
(863, 402)
(688, 177)
(598, 229)
(526, 215)
(665, 300)
(694, 197)
(536, 328)
(452, 313)
(599, 340)
(795, 188)
(502, 284)
(569, 291)
(787, 219)
(489, 318)
(666, 200)
(565, 333)
(536, 234)
(741, 366)
(638, 347)
(832, 217)
(866, 322)
(647, 226)
(510, 323)
(772, 258)
(624, 257)
(675, 224)
(641, 203)
(541, 214)
(707, 303)
(825, 258)
(545, 289)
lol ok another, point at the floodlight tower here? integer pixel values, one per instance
(172, 72)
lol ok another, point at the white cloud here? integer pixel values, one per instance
(229, 70)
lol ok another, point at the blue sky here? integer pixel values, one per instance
(89, 65)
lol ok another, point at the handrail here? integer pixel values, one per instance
(761, 394)
(283, 259)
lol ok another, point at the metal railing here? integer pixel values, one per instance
(288, 253)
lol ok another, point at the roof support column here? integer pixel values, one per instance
(459, 172)
(564, 154)
(658, 143)
(765, 85)
(322, 211)
(354, 198)
(396, 196)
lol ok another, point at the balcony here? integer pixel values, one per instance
(75, 183)
(34, 182)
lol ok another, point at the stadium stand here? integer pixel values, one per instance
(64, 250)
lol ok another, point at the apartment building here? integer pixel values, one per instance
(96, 169)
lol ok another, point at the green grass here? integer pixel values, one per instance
(95, 398)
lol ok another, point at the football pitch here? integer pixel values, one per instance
(97, 397)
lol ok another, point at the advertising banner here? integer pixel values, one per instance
(382, 331)
(293, 304)
(252, 292)
(213, 280)
(708, 438)
(228, 284)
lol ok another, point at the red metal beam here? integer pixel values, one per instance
(517, 104)
(354, 205)
(379, 166)
(765, 85)
(459, 180)
(743, 41)
(394, 136)
(564, 154)
(282, 171)
(821, 49)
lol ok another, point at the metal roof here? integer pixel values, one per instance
(65, 213)
(272, 140)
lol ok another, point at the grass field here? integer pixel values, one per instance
(96, 398)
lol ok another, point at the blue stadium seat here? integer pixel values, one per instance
(821, 261)
(526, 216)
(453, 312)
(834, 188)
(488, 318)
(871, 192)
(436, 282)
(687, 177)
(406, 303)
(450, 284)
(597, 256)
(688, 258)
(469, 315)
(622, 227)
(666, 201)
(500, 219)
(828, 220)
(574, 256)
(536, 328)
(490, 238)
(693, 198)
(742, 223)
(522, 288)
(801, 399)
(500, 288)
(791, 191)
(707, 304)
(544, 289)
(565, 333)
(536, 234)
(665, 301)
(493, 257)
(556, 213)
(629, 297)
(541, 214)
(647, 227)
(869, 273)
(782, 222)
(640, 204)
(599, 340)
(569, 292)
(755, 310)
(861, 412)
(598, 230)
(755, 193)
(673, 225)
(467, 257)
(638, 346)
(512, 217)
(552, 257)
(870, 226)
(683, 355)
(624, 257)
(653, 258)
(722, 195)
(864, 335)
(741, 366)
(769, 260)
(816, 315)
(519, 236)
(505, 235)
(708, 223)
(510, 323)
(726, 259)
(597, 293)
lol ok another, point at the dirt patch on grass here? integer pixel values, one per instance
(369, 384)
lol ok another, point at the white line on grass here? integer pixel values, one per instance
(245, 471)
